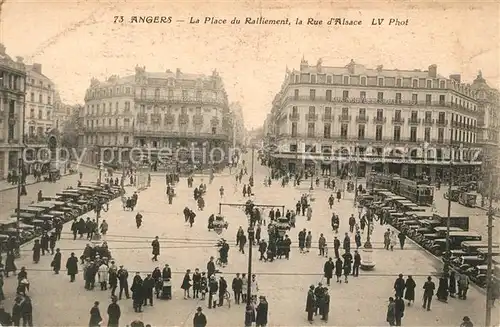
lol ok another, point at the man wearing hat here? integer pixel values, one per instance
(114, 313)
(213, 287)
(310, 303)
(199, 319)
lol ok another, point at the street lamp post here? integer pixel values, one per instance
(312, 177)
(251, 233)
(355, 182)
(99, 165)
(446, 267)
(19, 192)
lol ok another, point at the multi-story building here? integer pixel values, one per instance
(238, 124)
(12, 81)
(489, 128)
(39, 112)
(397, 121)
(155, 110)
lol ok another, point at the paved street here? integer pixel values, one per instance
(8, 198)
(284, 282)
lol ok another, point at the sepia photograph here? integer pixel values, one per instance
(249, 163)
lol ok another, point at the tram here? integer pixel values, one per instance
(417, 191)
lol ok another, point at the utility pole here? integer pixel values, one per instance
(18, 216)
(446, 267)
(489, 284)
(356, 163)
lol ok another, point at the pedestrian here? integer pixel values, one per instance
(387, 239)
(186, 284)
(325, 305)
(442, 291)
(262, 310)
(399, 309)
(429, 288)
(199, 319)
(27, 311)
(114, 313)
(399, 286)
(5, 317)
(95, 315)
(72, 267)
(137, 292)
(56, 262)
(310, 304)
(393, 240)
(402, 239)
(102, 276)
(36, 251)
(328, 269)
(138, 220)
(466, 322)
(452, 284)
(249, 315)
(244, 288)
(156, 249)
(308, 241)
(237, 286)
(463, 286)
(410, 290)
(391, 312)
(17, 311)
(356, 264)
(338, 270)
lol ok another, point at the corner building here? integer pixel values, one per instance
(12, 97)
(398, 121)
(155, 110)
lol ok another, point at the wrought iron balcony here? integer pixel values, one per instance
(328, 118)
(397, 102)
(294, 117)
(311, 117)
(414, 121)
(428, 122)
(345, 118)
(169, 119)
(398, 120)
(155, 118)
(180, 99)
(142, 117)
(362, 119)
(442, 123)
(183, 119)
(214, 121)
(35, 139)
(379, 120)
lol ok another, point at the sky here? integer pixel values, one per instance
(78, 40)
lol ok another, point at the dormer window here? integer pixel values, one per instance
(110, 92)
(399, 82)
(346, 80)
(429, 84)
(328, 80)
(442, 84)
(313, 79)
(363, 80)
(414, 83)
(297, 78)
(380, 81)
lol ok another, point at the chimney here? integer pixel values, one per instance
(177, 73)
(37, 68)
(433, 71)
(456, 77)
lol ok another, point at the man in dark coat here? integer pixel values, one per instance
(72, 267)
(262, 310)
(123, 279)
(328, 270)
(399, 309)
(56, 261)
(399, 286)
(429, 288)
(114, 313)
(210, 267)
(237, 287)
(156, 249)
(222, 290)
(148, 287)
(356, 264)
(310, 304)
(199, 319)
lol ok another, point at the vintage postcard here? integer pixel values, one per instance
(257, 163)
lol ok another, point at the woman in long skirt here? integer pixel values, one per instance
(410, 290)
(186, 284)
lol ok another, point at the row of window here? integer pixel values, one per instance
(40, 114)
(457, 135)
(106, 108)
(158, 93)
(11, 81)
(119, 90)
(381, 81)
(398, 99)
(40, 98)
(92, 139)
(40, 83)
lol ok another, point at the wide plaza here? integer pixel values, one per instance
(363, 301)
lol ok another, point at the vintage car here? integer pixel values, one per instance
(468, 199)
(456, 238)
(455, 194)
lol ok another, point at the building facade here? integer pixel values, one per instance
(238, 125)
(13, 79)
(154, 111)
(39, 113)
(393, 121)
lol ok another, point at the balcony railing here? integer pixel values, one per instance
(414, 121)
(379, 120)
(294, 117)
(398, 120)
(373, 101)
(442, 123)
(345, 118)
(428, 122)
(158, 132)
(328, 118)
(198, 119)
(362, 119)
(311, 117)
(180, 99)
